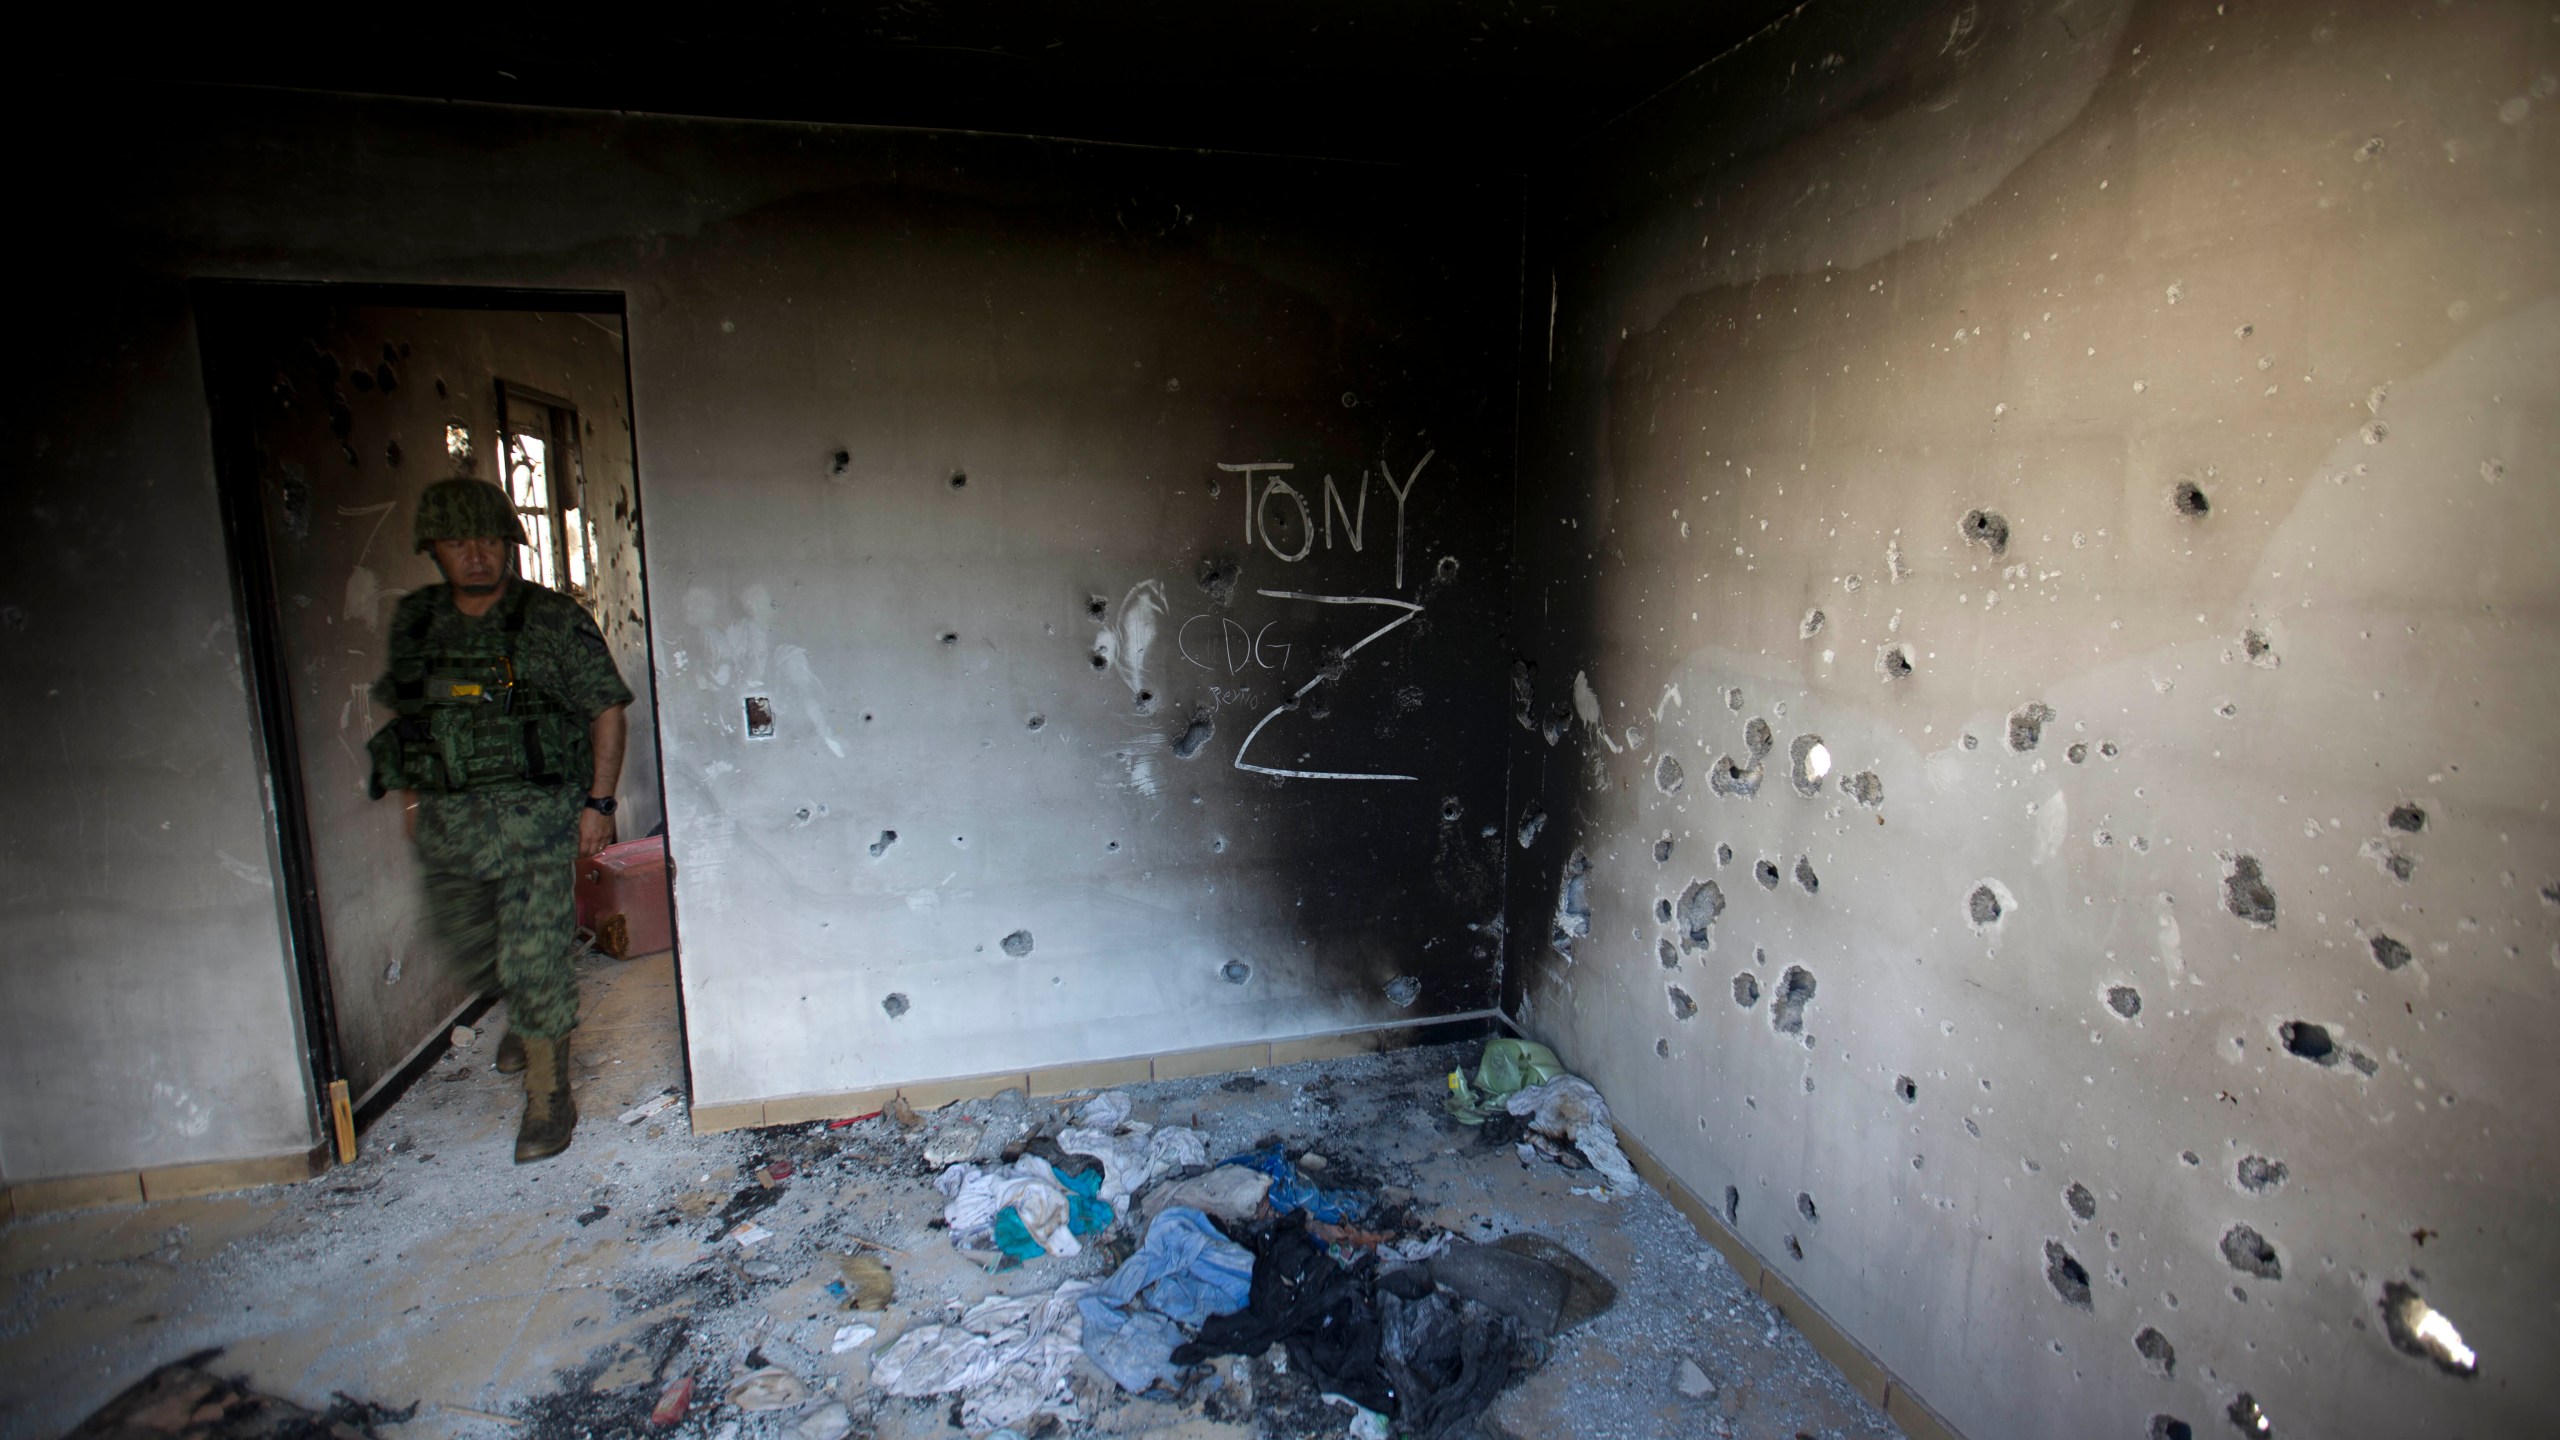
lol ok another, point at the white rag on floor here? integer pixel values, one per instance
(1230, 1192)
(1568, 1108)
(1007, 1357)
(1133, 1154)
(1028, 1187)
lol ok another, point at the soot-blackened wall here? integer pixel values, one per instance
(2037, 558)
(973, 569)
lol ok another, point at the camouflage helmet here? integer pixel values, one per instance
(465, 509)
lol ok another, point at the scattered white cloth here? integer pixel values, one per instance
(768, 1389)
(1230, 1192)
(1133, 1154)
(1007, 1357)
(1569, 1109)
(1107, 1111)
(1028, 1187)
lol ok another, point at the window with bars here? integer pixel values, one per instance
(545, 479)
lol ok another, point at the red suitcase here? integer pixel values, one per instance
(622, 898)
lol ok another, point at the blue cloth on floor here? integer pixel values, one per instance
(1134, 1348)
(1087, 1214)
(1014, 1238)
(1292, 1190)
(1186, 1270)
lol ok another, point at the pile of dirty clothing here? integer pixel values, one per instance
(1521, 1087)
(1417, 1335)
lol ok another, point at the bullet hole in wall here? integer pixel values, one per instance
(895, 1004)
(1906, 1089)
(1733, 699)
(2170, 1427)
(1812, 626)
(2026, 726)
(2189, 499)
(1805, 1207)
(2068, 1277)
(1732, 1205)
(1662, 910)
(1811, 883)
(2078, 754)
(1101, 661)
(1035, 722)
(2247, 1416)
(2257, 1174)
(1866, 787)
(1662, 851)
(2260, 651)
(2418, 1328)
(881, 846)
(1668, 953)
(1983, 905)
(2124, 1000)
(1682, 1007)
(2080, 1201)
(1894, 663)
(1700, 904)
(1447, 569)
(959, 479)
(2388, 953)
(950, 637)
(1218, 576)
(1766, 872)
(1808, 760)
(2156, 1351)
(1573, 898)
(1786, 1006)
(2406, 818)
(1145, 704)
(842, 461)
(1450, 809)
(759, 718)
(1403, 990)
(1728, 778)
(2309, 1041)
(1196, 735)
(1986, 528)
(1795, 1248)
(1235, 972)
(1096, 605)
(1758, 738)
(1018, 944)
(2247, 1251)
(1667, 776)
(2245, 892)
(1532, 821)
(1724, 854)
(2395, 862)
(2107, 749)
(1746, 989)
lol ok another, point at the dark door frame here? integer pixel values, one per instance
(221, 307)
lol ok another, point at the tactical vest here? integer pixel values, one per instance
(466, 721)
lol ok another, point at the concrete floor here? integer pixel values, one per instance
(553, 1300)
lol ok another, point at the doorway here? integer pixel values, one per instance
(334, 407)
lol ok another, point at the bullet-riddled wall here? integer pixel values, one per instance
(1075, 580)
(2037, 556)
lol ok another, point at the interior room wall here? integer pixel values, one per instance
(2122, 437)
(933, 432)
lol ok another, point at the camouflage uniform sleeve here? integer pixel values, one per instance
(581, 664)
(404, 618)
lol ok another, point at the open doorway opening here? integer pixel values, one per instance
(335, 407)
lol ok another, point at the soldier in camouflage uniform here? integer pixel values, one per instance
(506, 748)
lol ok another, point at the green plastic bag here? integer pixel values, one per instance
(1509, 1066)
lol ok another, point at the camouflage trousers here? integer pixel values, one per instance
(501, 892)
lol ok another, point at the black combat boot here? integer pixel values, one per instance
(510, 1059)
(549, 1112)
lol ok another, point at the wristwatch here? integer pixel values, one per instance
(601, 804)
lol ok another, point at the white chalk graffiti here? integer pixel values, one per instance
(1258, 495)
(1409, 610)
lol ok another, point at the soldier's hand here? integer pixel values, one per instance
(594, 832)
